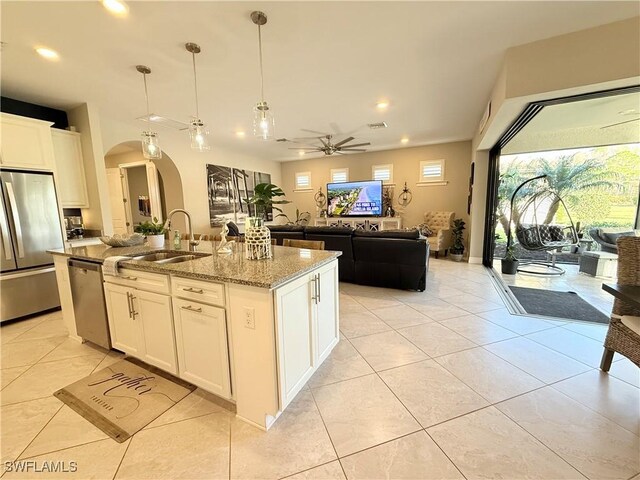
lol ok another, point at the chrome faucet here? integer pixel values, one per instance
(167, 225)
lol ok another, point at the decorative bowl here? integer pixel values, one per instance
(118, 240)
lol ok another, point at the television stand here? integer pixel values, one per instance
(360, 223)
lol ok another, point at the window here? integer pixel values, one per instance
(432, 171)
(303, 181)
(382, 172)
(339, 175)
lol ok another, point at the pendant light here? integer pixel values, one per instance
(150, 146)
(263, 121)
(197, 130)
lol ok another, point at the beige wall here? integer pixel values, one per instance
(406, 165)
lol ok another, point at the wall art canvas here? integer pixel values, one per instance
(229, 192)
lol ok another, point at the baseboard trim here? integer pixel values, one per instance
(475, 260)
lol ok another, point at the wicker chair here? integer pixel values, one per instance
(440, 225)
(621, 338)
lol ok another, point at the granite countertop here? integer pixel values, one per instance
(287, 263)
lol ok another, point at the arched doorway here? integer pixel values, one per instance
(140, 189)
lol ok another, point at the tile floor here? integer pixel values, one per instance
(444, 384)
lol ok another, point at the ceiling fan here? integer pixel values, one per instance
(326, 144)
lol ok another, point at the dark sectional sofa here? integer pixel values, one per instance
(392, 259)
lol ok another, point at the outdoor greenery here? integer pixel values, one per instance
(599, 185)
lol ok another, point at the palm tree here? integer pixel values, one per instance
(568, 176)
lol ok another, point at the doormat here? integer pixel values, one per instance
(124, 397)
(557, 304)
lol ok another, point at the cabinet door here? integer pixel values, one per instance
(26, 143)
(295, 337)
(72, 185)
(153, 312)
(326, 316)
(124, 327)
(201, 341)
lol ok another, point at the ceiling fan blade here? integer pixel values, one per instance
(342, 142)
(353, 150)
(305, 138)
(314, 131)
(309, 149)
(621, 123)
(336, 129)
(357, 145)
(324, 142)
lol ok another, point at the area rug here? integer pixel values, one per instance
(557, 304)
(124, 397)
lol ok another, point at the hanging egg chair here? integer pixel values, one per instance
(534, 228)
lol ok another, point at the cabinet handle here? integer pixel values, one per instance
(130, 278)
(192, 309)
(129, 303)
(193, 290)
(133, 310)
(318, 285)
(314, 297)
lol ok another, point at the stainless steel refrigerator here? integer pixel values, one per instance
(29, 226)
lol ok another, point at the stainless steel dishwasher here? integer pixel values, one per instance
(88, 302)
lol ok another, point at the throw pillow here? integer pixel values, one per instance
(424, 230)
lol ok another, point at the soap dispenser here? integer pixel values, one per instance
(177, 244)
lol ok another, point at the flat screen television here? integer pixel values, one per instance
(355, 199)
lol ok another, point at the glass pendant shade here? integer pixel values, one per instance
(150, 146)
(263, 121)
(199, 135)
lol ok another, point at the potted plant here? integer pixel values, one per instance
(154, 231)
(263, 198)
(510, 262)
(457, 250)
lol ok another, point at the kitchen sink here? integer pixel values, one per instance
(170, 256)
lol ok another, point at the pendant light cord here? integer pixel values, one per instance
(146, 94)
(261, 70)
(195, 83)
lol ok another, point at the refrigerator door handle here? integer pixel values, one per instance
(4, 230)
(16, 219)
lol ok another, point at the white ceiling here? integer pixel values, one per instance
(325, 62)
(587, 123)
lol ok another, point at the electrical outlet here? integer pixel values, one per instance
(250, 318)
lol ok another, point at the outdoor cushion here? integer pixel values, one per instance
(612, 237)
(632, 323)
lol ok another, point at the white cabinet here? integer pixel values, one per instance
(141, 324)
(307, 327)
(125, 330)
(363, 223)
(72, 184)
(25, 143)
(202, 345)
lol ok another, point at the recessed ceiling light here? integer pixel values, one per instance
(404, 140)
(240, 134)
(47, 53)
(382, 105)
(116, 7)
(301, 152)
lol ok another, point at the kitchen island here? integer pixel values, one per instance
(250, 331)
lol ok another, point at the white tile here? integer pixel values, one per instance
(363, 323)
(401, 316)
(541, 362)
(612, 398)
(18, 354)
(595, 446)
(477, 329)
(489, 375)
(361, 413)
(431, 393)
(343, 363)
(415, 456)
(516, 323)
(387, 350)
(625, 369)
(574, 345)
(328, 471)
(435, 339)
(487, 444)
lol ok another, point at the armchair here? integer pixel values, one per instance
(440, 225)
(607, 237)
